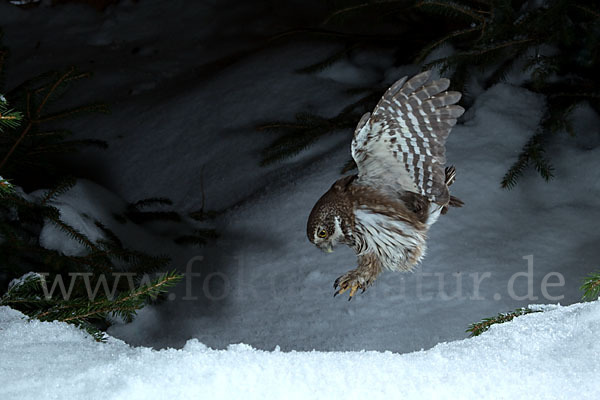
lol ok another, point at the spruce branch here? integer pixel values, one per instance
(35, 95)
(307, 129)
(588, 10)
(52, 89)
(329, 61)
(64, 186)
(427, 50)
(591, 286)
(27, 296)
(358, 7)
(478, 328)
(127, 304)
(19, 139)
(454, 8)
(73, 112)
(73, 233)
(111, 238)
(5, 187)
(9, 119)
(533, 152)
(379, 39)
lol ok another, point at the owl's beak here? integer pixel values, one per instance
(327, 248)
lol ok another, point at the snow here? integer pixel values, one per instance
(548, 355)
(17, 282)
(181, 130)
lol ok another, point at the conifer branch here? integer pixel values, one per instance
(72, 232)
(500, 46)
(45, 92)
(591, 286)
(5, 187)
(52, 89)
(16, 143)
(340, 35)
(357, 7)
(329, 61)
(95, 107)
(453, 6)
(130, 302)
(588, 10)
(27, 296)
(8, 118)
(532, 153)
(478, 328)
(429, 48)
(64, 186)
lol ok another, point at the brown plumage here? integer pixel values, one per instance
(385, 211)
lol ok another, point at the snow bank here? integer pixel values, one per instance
(537, 356)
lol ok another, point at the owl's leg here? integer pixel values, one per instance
(362, 277)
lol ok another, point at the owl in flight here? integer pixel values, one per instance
(385, 211)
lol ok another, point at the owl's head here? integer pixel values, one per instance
(324, 228)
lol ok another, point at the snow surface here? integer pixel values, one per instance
(175, 128)
(549, 355)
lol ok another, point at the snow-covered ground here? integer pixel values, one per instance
(175, 129)
(549, 355)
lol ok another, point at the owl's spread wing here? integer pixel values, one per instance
(401, 146)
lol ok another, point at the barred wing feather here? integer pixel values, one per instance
(401, 146)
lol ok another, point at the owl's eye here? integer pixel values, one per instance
(322, 233)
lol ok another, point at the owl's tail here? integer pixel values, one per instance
(450, 175)
(450, 178)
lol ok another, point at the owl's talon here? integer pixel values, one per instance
(350, 283)
(353, 291)
(342, 290)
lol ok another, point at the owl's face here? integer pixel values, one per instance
(324, 227)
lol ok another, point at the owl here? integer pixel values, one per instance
(385, 211)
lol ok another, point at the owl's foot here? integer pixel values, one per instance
(352, 281)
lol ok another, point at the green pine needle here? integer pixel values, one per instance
(6, 187)
(27, 297)
(479, 327)
(532, 153)
(64, 186)
(591, 286)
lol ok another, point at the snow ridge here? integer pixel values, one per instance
(536, 356)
